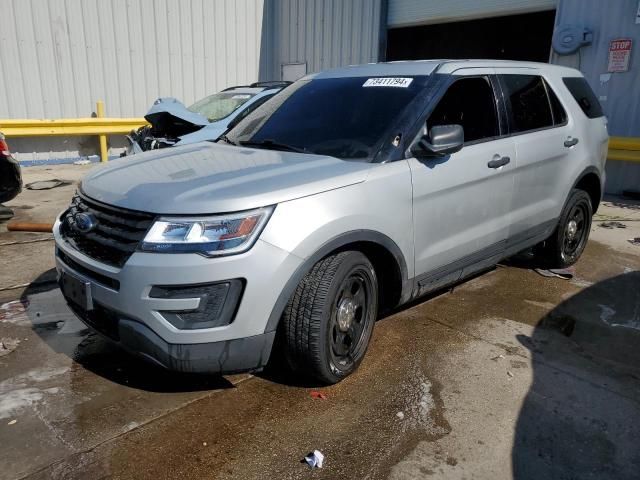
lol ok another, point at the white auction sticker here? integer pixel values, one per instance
(236, 97)
(401, 82)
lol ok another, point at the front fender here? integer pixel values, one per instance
(378, 210)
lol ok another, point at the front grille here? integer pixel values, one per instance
(112, 283)
(115, 236)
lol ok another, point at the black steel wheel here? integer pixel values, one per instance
(569, 240)
(328, 322)
(575, 233)
(350, 317)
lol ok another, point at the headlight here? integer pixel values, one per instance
(210, 236)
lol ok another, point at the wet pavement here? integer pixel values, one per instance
(508, 375)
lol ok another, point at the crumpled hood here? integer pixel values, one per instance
(206, 178)
(169, 115)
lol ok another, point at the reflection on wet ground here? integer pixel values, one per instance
(511, 372)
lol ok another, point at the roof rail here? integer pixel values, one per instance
(271, 84)
(235, 86)
(266, 85)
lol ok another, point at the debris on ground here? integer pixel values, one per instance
(314, 459)
(8, 345)
(12, 422)
(29, 227)
(635, 241)
(613, 225)
(563, 273)
(12, 311)
(82, 162)
(495, 359)
(510, 373)
(318, 395)
(47, 184)
(5, 213)
(400, 415)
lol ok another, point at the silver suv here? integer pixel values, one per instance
(351, 192)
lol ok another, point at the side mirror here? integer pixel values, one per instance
(441, 140)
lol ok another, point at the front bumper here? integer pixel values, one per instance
(135, 319)
(224, 357)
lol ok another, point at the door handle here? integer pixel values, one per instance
(498, 162)
(570, 142)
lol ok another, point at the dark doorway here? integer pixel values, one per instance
(515, 37)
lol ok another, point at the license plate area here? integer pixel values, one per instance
(77, 291)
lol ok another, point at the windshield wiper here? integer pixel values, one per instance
(270, 144)
(227, 140)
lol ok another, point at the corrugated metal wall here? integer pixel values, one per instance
(619, 92)
(322, 33)
(404, 13)
(57, 57)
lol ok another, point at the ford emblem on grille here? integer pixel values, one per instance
(85, 222)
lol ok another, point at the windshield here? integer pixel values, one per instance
(348, 118)
(220, 105)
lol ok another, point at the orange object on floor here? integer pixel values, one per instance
(29, 227)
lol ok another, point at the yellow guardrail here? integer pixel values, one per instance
(75, 126)
(624, 149)
(99, 125)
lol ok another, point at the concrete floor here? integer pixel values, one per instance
(510, 375)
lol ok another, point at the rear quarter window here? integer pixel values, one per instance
(530, 105)
(583, 94)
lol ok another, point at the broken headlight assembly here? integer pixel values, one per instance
(209, 236)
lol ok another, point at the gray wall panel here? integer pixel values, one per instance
(321, 33)
(609, 20)
(58, 57)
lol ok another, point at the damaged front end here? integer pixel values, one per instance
(169, 120)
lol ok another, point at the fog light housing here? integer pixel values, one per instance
(218, 303)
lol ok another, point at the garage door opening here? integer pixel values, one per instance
(514, 37)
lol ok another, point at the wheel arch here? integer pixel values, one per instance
(382, 251)
(590, 181)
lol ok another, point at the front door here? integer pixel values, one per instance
(461, 202)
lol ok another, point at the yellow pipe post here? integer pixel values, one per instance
(104, 156)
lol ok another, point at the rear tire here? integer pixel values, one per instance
(327, 324)
(565, 246)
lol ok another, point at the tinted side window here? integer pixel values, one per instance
(468, 102)
(530, 108)
(585, 97)
(559, 113)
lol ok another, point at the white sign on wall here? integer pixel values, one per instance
(638, 14)
(619, 55)
(293, 71)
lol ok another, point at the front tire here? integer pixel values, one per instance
(328, 321)
(570, 237)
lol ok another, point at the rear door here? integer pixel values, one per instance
(542, 133)
(461, 202)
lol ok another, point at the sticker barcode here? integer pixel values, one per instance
(401, 82)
